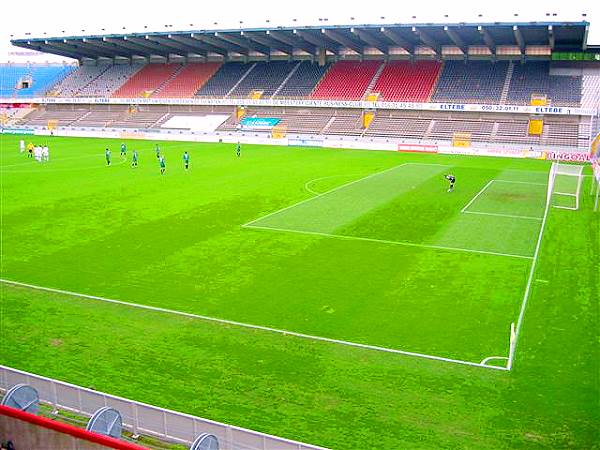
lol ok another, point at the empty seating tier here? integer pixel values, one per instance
(346, 80)
(264, 76)
(534, 78)
(224, 80)
(404, 81)
(148, 80)
(109, 81)
(187, 82)
(472, 82)
(303, 80)
(78, 80)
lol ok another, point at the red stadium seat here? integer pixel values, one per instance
(149, 79)
(346, 80)
(187, 82)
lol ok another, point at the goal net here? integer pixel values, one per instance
(564, 185)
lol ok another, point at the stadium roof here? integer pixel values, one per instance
(436, 40)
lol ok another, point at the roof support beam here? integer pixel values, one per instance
(267, 41)
(397, 39)
(453, 35)
(298, 43)
(320, 43)
(220, 43)
(519, 38)
(343, 40)
(551, 36)
(198, 43)
(427, 40)
(176, 45)
(152, 48)
(137, 49)
(85, 46)
(487, 38)
(242, 42)
(370, 40)
(38, 46)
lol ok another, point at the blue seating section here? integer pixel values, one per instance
(472, 82)
(42, 78)
(223, 80)
(266, 77)
(304, 80)
(10, 77)
(534, 78)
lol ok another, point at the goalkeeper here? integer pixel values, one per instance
(451, 179)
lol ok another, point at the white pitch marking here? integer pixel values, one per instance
(308, 183)
(383, 241)
(320, 195)
(491, 358)
(336, 189)
(477, 195)
(254, 327)
(528, 288)
(522, 182)
(502, 215)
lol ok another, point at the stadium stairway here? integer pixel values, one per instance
(302, 81)
(374, 81)
(224, 80)
(472, 82)
(266, 77)
(506, 86)
(290, 75)
(346, 80)
(187, 81)
(78, 80)
(407, 81)
(562, 88)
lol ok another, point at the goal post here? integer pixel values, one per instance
(564, 185)
(595, 160)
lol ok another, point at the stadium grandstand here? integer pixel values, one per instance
(528, 90)
(485, 70)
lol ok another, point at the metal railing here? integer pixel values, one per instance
(141, 418)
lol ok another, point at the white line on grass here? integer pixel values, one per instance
(522, 182)
(527, 289)
(502, 215)
(308, 183)
(477, 195)
(335, 189)
(322, 194)
(250, 326)
(383, 241)
(492, 358)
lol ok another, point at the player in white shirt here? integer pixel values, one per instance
(21, 145)
(45, 153)
(37, 153)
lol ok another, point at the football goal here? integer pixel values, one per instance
(596, 170)
(564, 185)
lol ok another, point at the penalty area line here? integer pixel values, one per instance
(337, 188)
(383, 241)
(476, 196)
(251, 326)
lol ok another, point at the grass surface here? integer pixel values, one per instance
(176, 241)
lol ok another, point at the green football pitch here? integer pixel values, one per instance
(338, 297)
